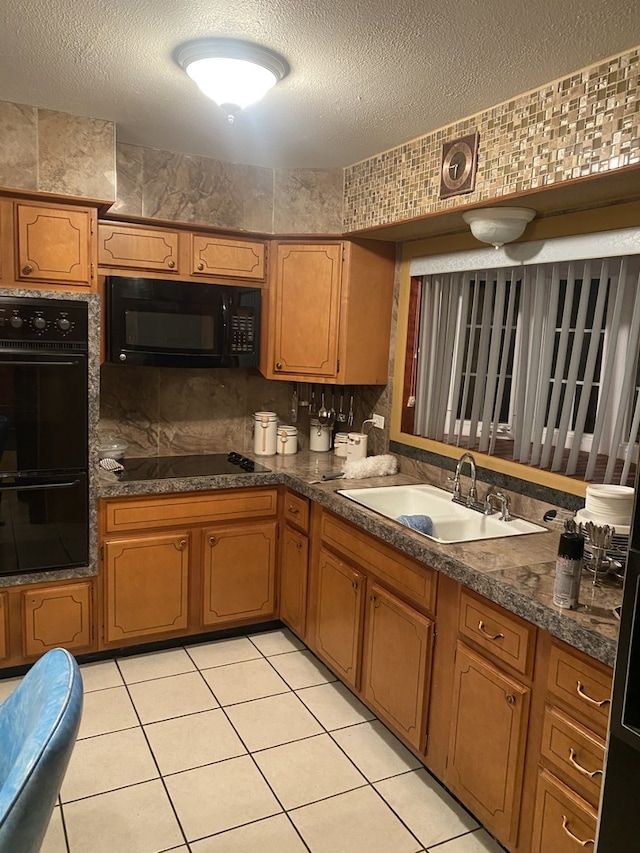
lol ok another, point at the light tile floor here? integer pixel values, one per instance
(243, 745)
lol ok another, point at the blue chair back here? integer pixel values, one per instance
(39, 724)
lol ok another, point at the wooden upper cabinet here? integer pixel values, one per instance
(304, 307)
(132, 248)
(226, 258)
(55, 244)
(329, 312)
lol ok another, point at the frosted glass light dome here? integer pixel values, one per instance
(234, 74)
(498, 225)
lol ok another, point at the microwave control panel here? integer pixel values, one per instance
(243, 337)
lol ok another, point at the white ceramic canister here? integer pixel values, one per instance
(265, 433)
(356, 445)
(340, 441)
(287, 440)
(319, 436)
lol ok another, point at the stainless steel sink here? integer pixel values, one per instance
(451, 521)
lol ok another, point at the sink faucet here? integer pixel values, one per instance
(472, 496)
(501, 499)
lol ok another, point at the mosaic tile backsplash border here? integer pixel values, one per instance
(583, 124)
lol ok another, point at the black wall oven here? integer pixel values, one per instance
(43, 434)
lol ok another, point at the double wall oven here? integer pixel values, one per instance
(43, 434)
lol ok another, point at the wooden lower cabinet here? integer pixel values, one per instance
(146, 586)
(4, 613)
(294, 560)
(57, 616)
(397, 664)
(563, 823)
(239, 573)
(487, 742)
(339, 608)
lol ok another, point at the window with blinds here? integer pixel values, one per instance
(535, 362)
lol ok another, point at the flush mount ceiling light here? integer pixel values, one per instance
(498, 225)
(232, 73)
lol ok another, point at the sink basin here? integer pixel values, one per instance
(452, 522)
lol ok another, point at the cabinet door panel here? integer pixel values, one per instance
(305, 306)
(398, 648)
(59, 616)
(563, 822)
(227, 258)
(293, 580)
(339, 600)
(138, 248)
(146, 586)
(239, 573)
(54, 244)
(487, 742)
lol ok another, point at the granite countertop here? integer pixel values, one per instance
(516, 573)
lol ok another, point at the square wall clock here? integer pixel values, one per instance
(458, 165)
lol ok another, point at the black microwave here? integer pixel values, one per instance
(182, 323)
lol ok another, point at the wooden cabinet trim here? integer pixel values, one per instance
(505, 636)
(412, 580)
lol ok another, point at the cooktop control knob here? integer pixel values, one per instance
(39, 323)
(15, 322)
(64, 324)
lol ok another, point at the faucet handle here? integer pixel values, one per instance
(456, 485)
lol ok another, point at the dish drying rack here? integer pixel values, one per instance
(605, 551)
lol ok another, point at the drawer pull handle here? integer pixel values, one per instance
(572, 760)
(565, 826)
(293, 510)
(589, 699)
(484, 631)
(213, 540)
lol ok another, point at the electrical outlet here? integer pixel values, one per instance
(378, 421)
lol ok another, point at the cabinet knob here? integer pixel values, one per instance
(598, 703)
(26, 269)
(565, 826)
(171, 264)
(182, 544)
(354, 584)
(511, 699)
(213, 540)
(278, 365)
(201, 266)
(486, 633)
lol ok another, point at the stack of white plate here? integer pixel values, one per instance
(608, 505)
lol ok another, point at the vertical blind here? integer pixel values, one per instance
(538, 363)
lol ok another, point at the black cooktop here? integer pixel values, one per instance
(209, 465)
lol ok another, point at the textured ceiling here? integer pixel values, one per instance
(366, 75)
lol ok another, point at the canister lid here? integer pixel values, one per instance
(287, 430)
(267, 417)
